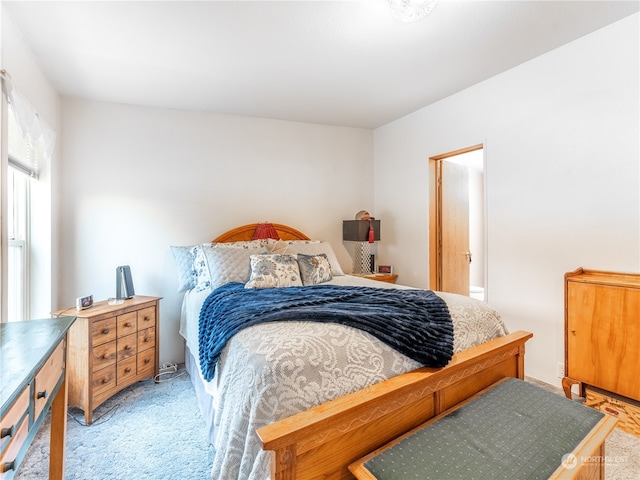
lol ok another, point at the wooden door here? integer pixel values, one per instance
(453, 227)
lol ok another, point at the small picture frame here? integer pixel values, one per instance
(385, 269)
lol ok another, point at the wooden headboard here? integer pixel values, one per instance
(245, 233)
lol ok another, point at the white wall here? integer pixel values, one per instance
(18, 60)
(562, 147)
(563, 178)
(137, 180)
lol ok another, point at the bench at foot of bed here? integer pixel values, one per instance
(512, 429)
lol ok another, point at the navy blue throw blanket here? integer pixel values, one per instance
(414, 322)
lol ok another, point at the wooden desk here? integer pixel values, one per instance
(33, 379)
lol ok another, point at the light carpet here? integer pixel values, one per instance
(149, 431)
(154, 431)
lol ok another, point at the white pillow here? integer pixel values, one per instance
(184, 257)
(201, 268)
(311, 247)
(229, 264)
(273, 271)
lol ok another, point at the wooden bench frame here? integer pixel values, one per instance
(321, 442)
(589, 453)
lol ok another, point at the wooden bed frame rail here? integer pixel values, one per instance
(321, 442)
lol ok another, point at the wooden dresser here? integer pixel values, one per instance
(602, 335)
(32, 376)
(110, 348)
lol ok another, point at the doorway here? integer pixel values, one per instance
(456, 224)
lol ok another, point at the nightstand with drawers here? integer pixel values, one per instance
(110, 348)
(381, 277)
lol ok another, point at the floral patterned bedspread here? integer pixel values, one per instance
(271, 371)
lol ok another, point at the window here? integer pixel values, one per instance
(28, 144)
(23, 169)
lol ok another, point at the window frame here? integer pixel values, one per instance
(19, 244)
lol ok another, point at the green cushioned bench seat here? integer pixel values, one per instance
(513, 430)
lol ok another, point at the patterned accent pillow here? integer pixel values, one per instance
(184, 257)
(229, 264)
(284, 246)
(273, 271)
(203, 280)
(309, 247)
(314, 269)
(246, 244)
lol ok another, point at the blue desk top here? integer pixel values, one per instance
(24, 347)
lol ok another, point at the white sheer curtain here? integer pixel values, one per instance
(29, 122)
(17, 271)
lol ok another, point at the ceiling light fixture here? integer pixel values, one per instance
(411, 10)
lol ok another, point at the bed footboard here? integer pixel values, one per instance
(321, 442)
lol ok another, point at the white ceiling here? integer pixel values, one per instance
(343, 63)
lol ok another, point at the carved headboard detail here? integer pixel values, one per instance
(246, 232)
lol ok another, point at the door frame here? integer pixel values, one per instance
(435, 217)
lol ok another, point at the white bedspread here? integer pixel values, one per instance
(271, 371)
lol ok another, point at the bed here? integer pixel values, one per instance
(303, 399)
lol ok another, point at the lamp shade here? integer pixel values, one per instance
(358, 230)
(265, 230)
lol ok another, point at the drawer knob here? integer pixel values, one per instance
(8, 431)
(147, 318)
(106, 380)
(127, 347)
(127, 370)
(105, 331)
(147, 339)
(7, 466)
(147, 360)
(105, 356)
(42, 394)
